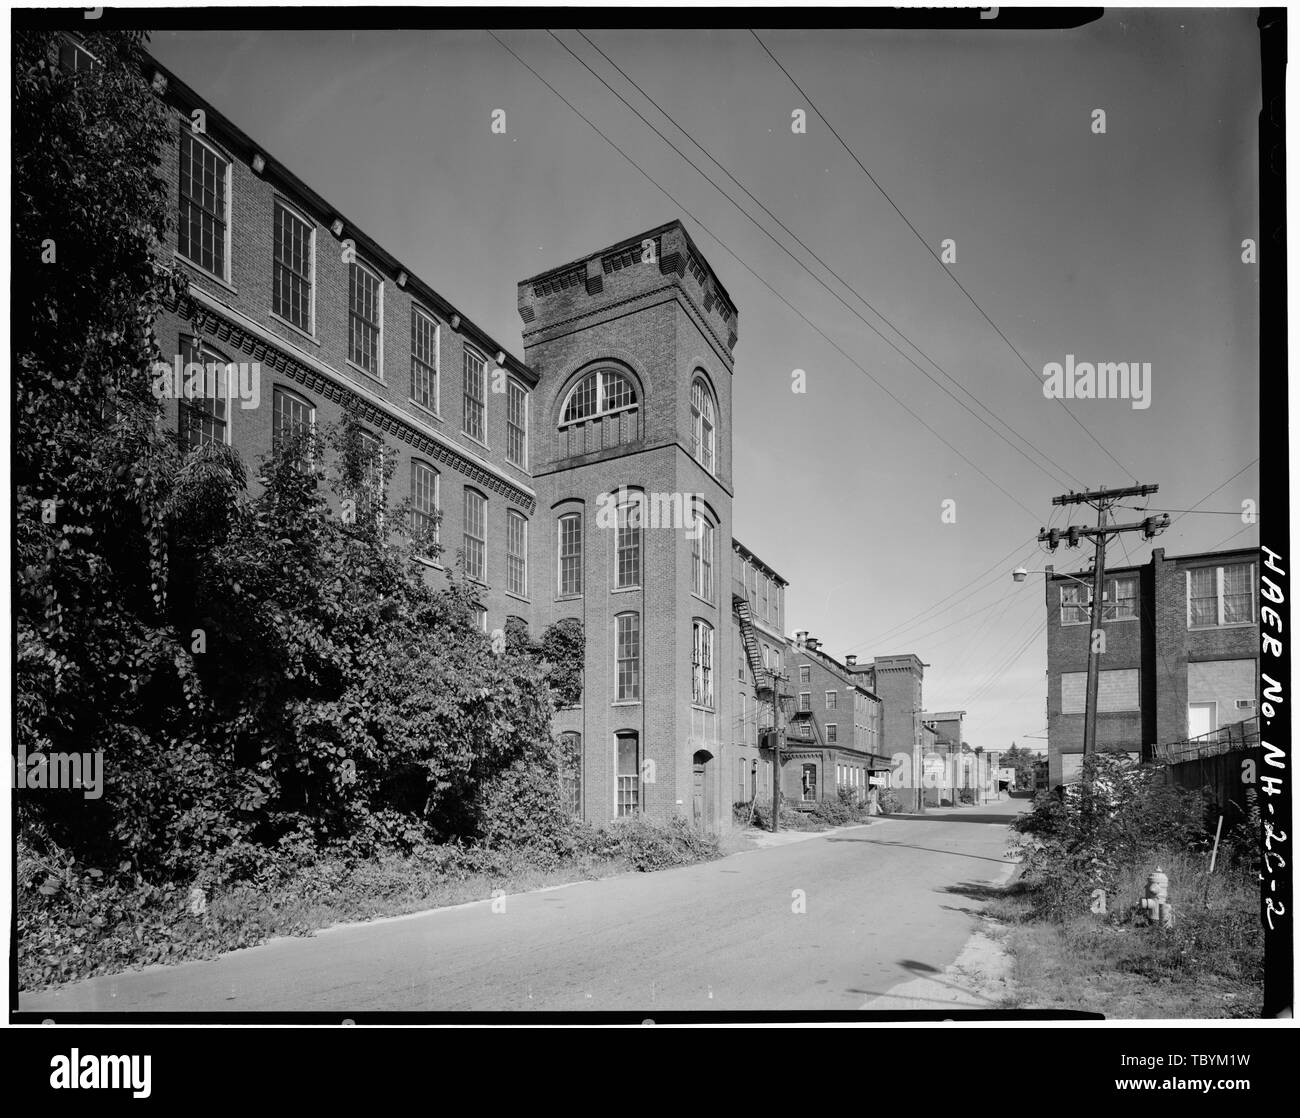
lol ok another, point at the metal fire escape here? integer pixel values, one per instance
(763, 683)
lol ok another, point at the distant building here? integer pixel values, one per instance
(897, 681)
(833, 734)
(1181, 654)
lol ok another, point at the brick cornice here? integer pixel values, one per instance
(208, 315)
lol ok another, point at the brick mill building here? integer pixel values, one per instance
(1181, 654)
(590, 479)
(833, 740)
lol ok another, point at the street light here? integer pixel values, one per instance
(1094, 663)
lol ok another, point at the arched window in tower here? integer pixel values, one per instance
(703, 424)
(600, 411)
(599, 393)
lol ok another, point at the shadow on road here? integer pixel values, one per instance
(975, 890)
(953, 817)
(913, 846)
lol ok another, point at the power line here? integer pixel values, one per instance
(791, 233)
(1006, 665)
(903, 625)
(948, 271)
(723, 245)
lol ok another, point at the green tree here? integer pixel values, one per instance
(92, 471)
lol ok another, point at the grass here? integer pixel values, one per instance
(90, 928)
(1210, 965)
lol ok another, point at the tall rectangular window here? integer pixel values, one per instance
(629, 775)
(204, 205)
(570, 543)
(372, 462)
(571, 774)
(365, 314)
(743, 719)
(832, 700)
(516, 424)
(832, 732)
(473, 421)
(805, 700)
(475, 535)
(805, 673)
(627, 546)
(204, 416)
(424, 360)
(291, 268)
(424, 501)
(1121, 600)
(516, 554)
(766, 600)
(628, 654)
(292, 418)
(702, 664)
(702, 558)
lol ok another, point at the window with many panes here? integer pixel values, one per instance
(516, 554)
(424, 501)
(473, 421)
(475, 536)
(516, 424)
(628, 657)
(1220, 595)
(832, 732)
(629, 775)
(598, 393)
(627, 545)
(293, 418)
(832, 699)
(702, 558)
(204, 415)
(570, 548)
(1119, 601)
(365, 318)
(291, 268)
(424, 360)
(743, 719)
(571, 774)
(805, 673)
(805, 700)
(702, 664)
(702, 424)
(204, 205)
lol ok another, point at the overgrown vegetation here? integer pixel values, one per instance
(289, 712)
(848, 806)
(1105, 836)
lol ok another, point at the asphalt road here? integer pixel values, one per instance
(881, 905)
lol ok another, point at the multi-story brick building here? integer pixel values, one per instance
(898, 680)
(834, 732)
(758, 600)
(1180, 659)
(590, 480)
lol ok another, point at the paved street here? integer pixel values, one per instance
(884, 905)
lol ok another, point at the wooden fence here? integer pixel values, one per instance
(1215, 762)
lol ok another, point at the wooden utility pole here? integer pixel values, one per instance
(1102, 500)
(778, 733)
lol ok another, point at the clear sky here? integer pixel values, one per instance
(1122, 246)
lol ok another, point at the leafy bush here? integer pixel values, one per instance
(1085, 838)
(654, 846)
(889, 803)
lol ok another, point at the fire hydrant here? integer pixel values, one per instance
(1155, 906)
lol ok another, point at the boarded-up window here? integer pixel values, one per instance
(1116, 690)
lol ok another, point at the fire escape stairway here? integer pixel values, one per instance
(762, 677)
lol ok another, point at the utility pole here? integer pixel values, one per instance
(1102, 500)
(778, 735)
